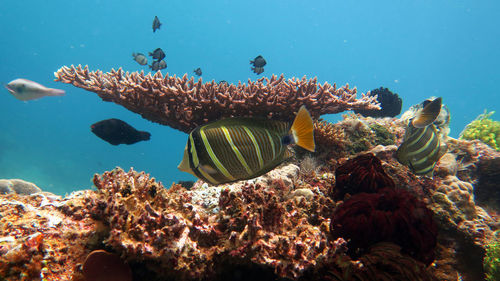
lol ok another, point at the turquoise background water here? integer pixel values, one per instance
(416, 48)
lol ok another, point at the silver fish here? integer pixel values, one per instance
(24, 89)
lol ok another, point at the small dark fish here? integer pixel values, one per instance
(158, 65)
(259, 61)
(223, 82)
(197, 71)
(116, 131)
(421, 148)
(234, 149)
(157, 54)
(186, 184)
(258, 70)
(140, 58)
(156, 24)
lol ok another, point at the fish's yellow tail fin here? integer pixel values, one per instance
(303, 130)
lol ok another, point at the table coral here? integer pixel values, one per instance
(184, 104)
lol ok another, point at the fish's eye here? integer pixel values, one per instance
(286, 140)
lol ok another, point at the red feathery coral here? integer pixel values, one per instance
(391, 215)
(361, 174)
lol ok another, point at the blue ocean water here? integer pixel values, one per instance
(417, 49)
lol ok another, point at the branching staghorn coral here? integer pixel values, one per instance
(184, 104)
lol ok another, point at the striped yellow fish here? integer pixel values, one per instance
(421, 148)
(243, 148)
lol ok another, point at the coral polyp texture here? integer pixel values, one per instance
(485, 129)
(184, 104)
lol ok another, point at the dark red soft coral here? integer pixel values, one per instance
(361, 174)
(391, 215)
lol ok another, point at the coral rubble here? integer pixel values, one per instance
(184, 104)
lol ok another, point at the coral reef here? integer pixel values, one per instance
(329, 139)
(383, 261)
(492, 261)
(184, 104)
(390, 104)
(18, 186)
(176, 238)
(487, 191)
(285, 225)
(485, 129)
(391, 215)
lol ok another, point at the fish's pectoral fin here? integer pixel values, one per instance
(303, 130)
(208, 169)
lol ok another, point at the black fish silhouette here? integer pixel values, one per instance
(197, 71)
(156, 24)
(157, 54)
(116, 131)
(258, 64)
(259, 61)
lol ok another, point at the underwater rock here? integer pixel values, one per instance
(18, 186)
(487, 191)
(446, 166)
(101, 265)
(38, 240)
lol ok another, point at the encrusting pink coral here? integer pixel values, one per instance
(184, 104)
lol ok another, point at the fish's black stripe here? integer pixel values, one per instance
(222, 149)
(246, 147)
(205, 158)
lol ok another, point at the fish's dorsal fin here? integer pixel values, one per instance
(428, 114)
(303, 130)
